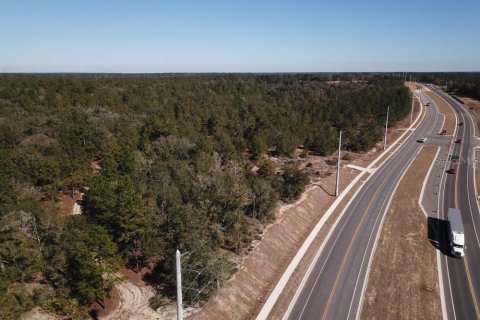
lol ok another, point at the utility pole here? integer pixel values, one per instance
(411, 112)
(386, 128)
(179, 286)
(338, 164)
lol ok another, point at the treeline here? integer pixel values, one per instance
(461, 83)
(176, 156)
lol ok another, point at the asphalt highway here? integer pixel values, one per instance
(461, 277)
(334, 288)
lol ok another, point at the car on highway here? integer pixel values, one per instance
(452, 170)
(460, 124)
(428, 104)
(422, 140)
(458, 141)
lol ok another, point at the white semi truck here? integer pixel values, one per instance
(456, 232)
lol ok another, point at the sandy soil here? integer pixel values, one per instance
(403, 281)
(444, 108)
(133, 299)
(70, 205)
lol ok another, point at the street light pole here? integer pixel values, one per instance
(386, 128)
(411, 112)
(338, 164)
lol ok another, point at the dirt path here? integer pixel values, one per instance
(403, 280)
(132, 300)
(133, 303)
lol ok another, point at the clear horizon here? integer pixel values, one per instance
(247, 37)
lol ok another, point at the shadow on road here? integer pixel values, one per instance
(438, 234)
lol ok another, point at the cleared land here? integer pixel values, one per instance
(403, 281)
(444, 108)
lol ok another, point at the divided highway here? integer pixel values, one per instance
(334, 288)
(461, 277)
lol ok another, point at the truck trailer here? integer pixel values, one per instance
(456, 232)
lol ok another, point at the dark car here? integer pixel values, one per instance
(452, 170)
(458, 141)
(460, 124)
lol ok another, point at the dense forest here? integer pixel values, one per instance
(461, 83)
(175, 155)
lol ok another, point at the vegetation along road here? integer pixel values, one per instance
(334, 288)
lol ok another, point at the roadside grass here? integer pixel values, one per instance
(403, 280)
(444, 108)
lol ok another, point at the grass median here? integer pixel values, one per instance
(403, 280)
(447, 111)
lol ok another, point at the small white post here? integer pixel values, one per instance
(179, 286)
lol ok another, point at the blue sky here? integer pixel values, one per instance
(239, 36)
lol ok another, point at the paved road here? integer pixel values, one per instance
(334, 287)
(461, 277)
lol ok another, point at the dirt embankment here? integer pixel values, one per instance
(262, 268)
(403, 280)
(444, 108)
